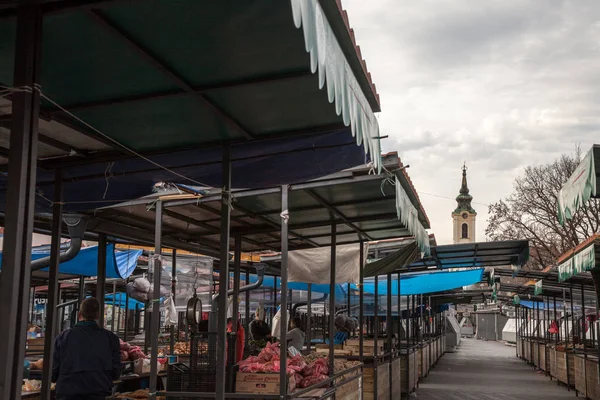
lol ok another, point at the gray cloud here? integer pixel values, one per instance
(499, 84)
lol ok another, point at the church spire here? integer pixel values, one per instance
(464, 198)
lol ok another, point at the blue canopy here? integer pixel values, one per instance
(543, 305)
(119, 264)
(428, 282)
(120, 301)
(340, 291)
(421, 283)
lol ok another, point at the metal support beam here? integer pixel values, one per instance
(332, 272)
(16, 271)
(174, 293)
(309, 318)
(53, 286)
(100, 283)
(361, 309)
(237, 265)
(284, 288)
(223, 273)
(155, 321)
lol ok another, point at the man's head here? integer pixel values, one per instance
(89, 310)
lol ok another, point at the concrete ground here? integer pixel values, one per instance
(481, 370)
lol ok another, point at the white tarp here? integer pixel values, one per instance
(314, 265)
(580, 187)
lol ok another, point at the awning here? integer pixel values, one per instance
(513, 253)
(406, 255)
(581, 186)
(119, 264)
(268, 282)
(283, 82)
(430, 282)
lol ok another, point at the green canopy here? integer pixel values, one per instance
(580, 187)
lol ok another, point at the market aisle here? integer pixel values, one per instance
(481, 370)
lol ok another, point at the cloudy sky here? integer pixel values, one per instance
(500, 84)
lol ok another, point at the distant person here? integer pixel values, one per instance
(259, 330)
(296, 335)
(86, 358)
(240, 338)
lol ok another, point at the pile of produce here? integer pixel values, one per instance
(306, 371)
(34, 385)
(138, 394)
(130, 353)
(182, 348)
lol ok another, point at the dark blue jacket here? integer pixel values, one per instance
(86, 361)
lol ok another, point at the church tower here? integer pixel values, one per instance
(464, 216)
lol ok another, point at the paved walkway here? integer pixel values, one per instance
(481, 370)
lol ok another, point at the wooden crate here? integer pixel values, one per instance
(591, 377)
(543, 359)
(348, 391)
(383, 382)
(353, 345)
(552, 361)
(396, 378)
(535, 353)
(409, 371)
(579, 368)
(565, 368)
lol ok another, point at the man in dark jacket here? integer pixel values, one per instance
(86, 358)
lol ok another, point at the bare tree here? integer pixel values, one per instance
(531, 212)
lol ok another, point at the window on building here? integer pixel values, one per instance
(465, 231)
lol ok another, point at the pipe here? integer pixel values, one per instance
(76, 226)
(260, 271)
(304, 303)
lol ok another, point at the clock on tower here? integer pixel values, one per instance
(464, 216)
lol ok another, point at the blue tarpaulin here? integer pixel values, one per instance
(544, 305)
(120, 301)
(428, 282)
(421, 283)
(119, 264)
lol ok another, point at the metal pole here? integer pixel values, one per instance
(20, 200)
(112, 322)
(101, 276)
(224, 273)
(155, 321)
(566, 337)
(174, 293)
(53, 285)
(361, 305)
(237, 265)
(389, 329)
(332, 298)
(283, 387)
(556, 319)
(308, 318)
(247, 307)
(583, 333)
(376, 336)
(126, 325)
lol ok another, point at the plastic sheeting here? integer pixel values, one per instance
(314, 265)
(328, 59)
(429, 282)
(119, 264)
(406, 255)
(578, 189)
(269, 281)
